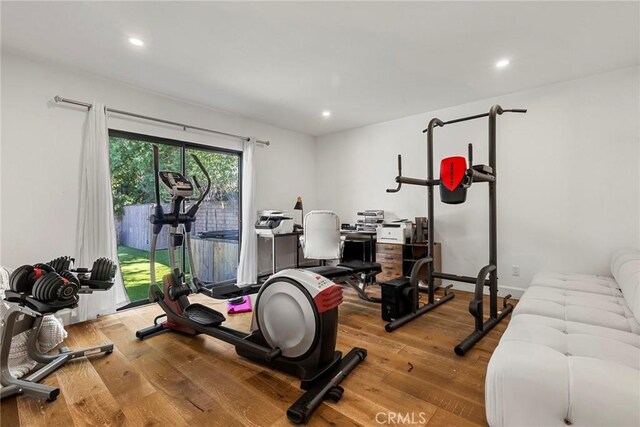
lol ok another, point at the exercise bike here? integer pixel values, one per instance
(295, 322)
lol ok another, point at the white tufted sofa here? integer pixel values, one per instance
(571, 352)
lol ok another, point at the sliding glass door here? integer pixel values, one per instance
(215, 233)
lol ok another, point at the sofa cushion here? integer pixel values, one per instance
(593, 309)
(586, 299)
(532, 384)
(576, 328)
(625, 268)
(519, 393)
(577, 282)
(575, 344)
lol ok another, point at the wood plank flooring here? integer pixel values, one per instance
(175, 380)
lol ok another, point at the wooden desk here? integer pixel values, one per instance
(397, 260)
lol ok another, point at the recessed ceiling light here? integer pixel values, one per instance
(135, 41)
(326, 113)
(502, 63)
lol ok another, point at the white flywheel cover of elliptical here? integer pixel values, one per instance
(287, 317)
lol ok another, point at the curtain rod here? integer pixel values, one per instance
(59, 99)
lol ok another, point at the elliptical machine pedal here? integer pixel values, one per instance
(203, 315)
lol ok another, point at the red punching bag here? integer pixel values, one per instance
(452, 173)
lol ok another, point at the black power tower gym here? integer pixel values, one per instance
(454, 180)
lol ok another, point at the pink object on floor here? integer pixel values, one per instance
(245, 307)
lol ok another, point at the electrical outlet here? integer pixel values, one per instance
(515, 270)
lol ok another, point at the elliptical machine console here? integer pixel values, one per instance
(295, 322)
(176, 184)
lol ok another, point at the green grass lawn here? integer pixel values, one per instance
(136, 271)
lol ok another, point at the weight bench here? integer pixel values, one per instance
(357, 274)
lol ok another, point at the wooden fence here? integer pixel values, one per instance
(215, 259)
(134, 229)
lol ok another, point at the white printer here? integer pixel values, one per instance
(273, 222)
(398, 232)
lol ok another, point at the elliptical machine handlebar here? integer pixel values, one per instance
(203, 193)
(156, 172)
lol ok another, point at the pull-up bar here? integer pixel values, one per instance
(477, 116)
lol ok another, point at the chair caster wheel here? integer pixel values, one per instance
(335, 394)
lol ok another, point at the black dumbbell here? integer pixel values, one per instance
(54, 287)
(103, 270)
(61, 263)
(24, 277)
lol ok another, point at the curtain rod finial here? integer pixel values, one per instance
(57, 98)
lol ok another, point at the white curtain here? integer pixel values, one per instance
(248, 265)
(96, 232)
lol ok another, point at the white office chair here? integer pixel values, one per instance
(321, 239)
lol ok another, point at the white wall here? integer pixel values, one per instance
(41, 150)
(568, 188)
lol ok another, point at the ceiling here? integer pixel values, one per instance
(285, 62)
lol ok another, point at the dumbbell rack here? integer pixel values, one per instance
(27, 313)
(20, 318)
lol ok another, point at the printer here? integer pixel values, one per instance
(273, 222)
(398, 232)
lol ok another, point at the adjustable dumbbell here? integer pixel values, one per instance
(24, 277)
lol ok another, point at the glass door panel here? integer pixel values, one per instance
(215, 235)
(132, 184)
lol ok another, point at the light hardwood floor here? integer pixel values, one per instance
(175, 380)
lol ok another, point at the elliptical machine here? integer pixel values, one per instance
(295, 322)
